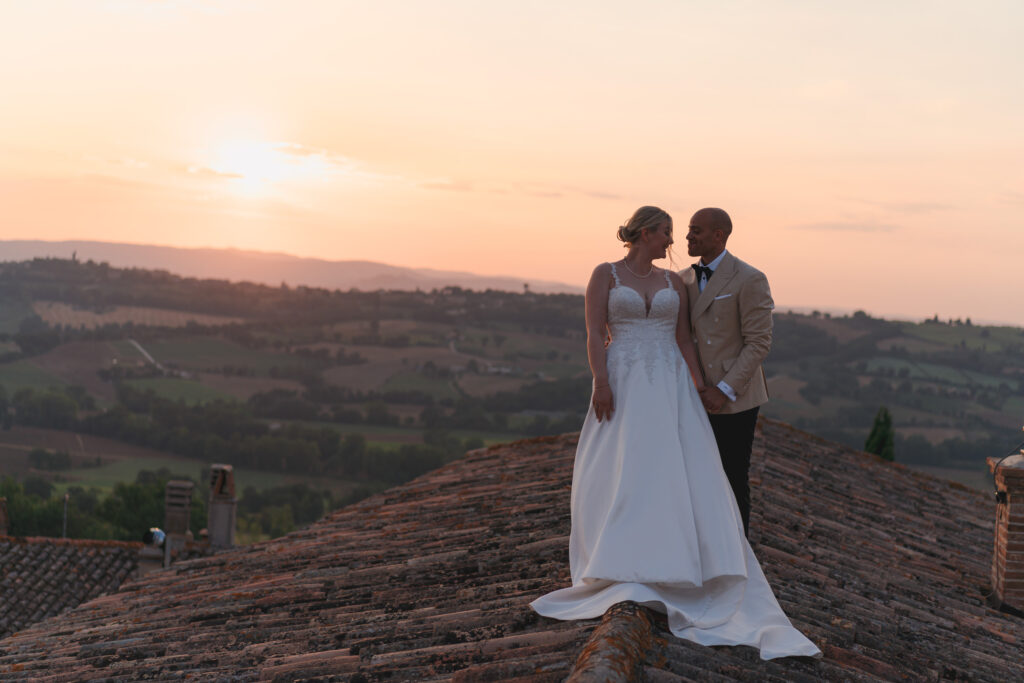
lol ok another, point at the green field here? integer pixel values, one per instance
(12, 312)
(202, 353)
(392, 437)
(111, 473)
(126, 350)
(518, 343)
(23, 374)
(1015, 406)
(990, 382)
(489, 438)
(930, 371)
(379, 436)
(906, 415)
(973, 337)
(790, 411)
(126, 470)
(562, 370)
(175, 389)
(438, 387)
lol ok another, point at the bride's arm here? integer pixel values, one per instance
(683, 338)
(597, 333)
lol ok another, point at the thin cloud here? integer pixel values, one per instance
(828, 90)
(267, 164)
(541, 190)
(108, 180)
(909, 208)
(129, 162)
(206, 172)
(847, 226)
(295, 149)
(1011, 197)
(600, 194)
(448, 185)
(151, 7)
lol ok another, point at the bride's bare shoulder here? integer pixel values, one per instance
(677, 282)
(601, 278)
(602, 272)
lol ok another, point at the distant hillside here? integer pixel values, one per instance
(407, 369)
(272, 268)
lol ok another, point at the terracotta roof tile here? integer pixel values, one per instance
(881, 566)
(43, 577)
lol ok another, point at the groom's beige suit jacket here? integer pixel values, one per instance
(731, 325)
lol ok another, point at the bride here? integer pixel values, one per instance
(654, 519)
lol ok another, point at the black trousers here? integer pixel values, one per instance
(735, 436)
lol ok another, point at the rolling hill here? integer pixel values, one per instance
(270, 268)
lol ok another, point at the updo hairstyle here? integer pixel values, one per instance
(649, 217)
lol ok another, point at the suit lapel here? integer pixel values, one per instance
(725, 271)
(690, 283)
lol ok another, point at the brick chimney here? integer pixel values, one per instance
(221, 511)
(4, 519)
(1008, 558)
(177, 504)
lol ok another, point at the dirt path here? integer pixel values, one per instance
(145, 353)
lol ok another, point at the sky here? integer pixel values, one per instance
(870, 153)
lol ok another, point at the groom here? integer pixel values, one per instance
(731, 324)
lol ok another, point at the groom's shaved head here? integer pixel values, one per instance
(709, 229)
(718, 219)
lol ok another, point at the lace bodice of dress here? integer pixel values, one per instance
(642, 335)
(629, 319)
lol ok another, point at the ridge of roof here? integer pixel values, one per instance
(78, 542)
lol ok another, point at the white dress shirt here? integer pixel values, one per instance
(703, 282)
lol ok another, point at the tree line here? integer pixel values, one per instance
(98, 285)
(126, 513)
(229, 432)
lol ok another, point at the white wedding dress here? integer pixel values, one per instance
(654, 519)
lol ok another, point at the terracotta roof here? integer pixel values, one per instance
(882, 567)
(43, 577)
(885, 568)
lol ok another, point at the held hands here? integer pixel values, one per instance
(713, 399)
(603, 402)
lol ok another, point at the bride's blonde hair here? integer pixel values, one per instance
(649, 217)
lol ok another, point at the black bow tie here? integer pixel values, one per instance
(702, 270)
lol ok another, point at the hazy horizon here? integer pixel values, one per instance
(514, 282)
(866, 152)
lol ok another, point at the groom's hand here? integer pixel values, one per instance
(713, 399)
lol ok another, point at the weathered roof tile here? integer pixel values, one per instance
(884, 568)
(43, 577)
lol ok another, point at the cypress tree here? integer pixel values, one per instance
(880, 440)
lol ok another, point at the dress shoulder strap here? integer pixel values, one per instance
(667, 278)
(615, 274)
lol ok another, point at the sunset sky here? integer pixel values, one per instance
(871, 153)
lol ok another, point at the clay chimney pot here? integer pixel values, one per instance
(1008, 556)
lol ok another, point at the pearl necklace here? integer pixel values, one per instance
(639, 277)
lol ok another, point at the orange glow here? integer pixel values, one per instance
(864, 151)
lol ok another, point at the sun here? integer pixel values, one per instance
(252, 167)
(259, 169)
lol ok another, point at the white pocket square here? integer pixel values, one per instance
(722, 296)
